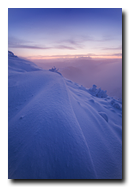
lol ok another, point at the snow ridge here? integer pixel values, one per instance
(10, 54)
(20, 65)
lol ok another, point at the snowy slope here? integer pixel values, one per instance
(58, 129)
(20, 65)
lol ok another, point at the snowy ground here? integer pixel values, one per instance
(58, 129)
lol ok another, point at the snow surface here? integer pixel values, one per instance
(58, 129)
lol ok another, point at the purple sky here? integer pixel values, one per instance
(65, 33)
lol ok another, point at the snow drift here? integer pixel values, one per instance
(58, 129)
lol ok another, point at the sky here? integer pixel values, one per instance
(52, 33)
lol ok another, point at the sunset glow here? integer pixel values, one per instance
(65, 33)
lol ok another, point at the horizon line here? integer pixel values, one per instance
(51, 57)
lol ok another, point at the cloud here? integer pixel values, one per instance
(12, 41)
(106, 38)
(103, 38)
(18, 43)
(64, 47)
(117, 54)
(39, 47)
(79, 41)
(57, 56)
(71, 43)
(105, 55)
(85, 38)
(76, 56)
(28, 46)
(112, 48)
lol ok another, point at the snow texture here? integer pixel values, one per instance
(116, 104)
(104, 115)
(58, 129)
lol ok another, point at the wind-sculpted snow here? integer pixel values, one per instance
(20, 65)
(58, 130)
(10, 54)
